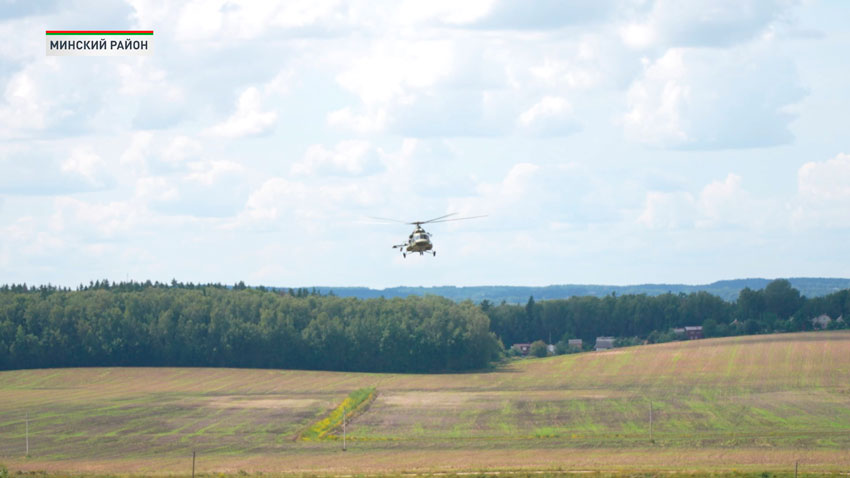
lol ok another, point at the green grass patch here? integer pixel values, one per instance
(353, 405)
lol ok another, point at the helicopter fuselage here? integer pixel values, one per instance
(419, 241)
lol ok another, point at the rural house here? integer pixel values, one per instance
(522, 348)
(604, 343)
(821, 322)
(694, 332)
(574, 344)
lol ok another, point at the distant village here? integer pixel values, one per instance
(602, 343)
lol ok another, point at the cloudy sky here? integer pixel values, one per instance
(607, 141)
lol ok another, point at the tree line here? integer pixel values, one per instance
(160, 324)
(638, 318)
(133, 324)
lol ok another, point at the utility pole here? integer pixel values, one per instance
(650, 420)
(28, 433)
(344, 410)
(193, 463)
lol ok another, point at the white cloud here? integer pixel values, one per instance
(372, 122)
(154, 153)
(667, 210)
(576, 74)
(517, 182)
(825, 181)
(274, 198)
(421, 171)
(181, 176)
(180, 149)
(200, 19)
(637, 35)
(823, 194)
(249, 118)
(147, 13)
(445, 11)
(718, 205)
(205, 189)
(280, 84)
(27, 236)
(162, 101)
(51, 168)
(551, 115)
(280, 201)
(218, 20)
(713, 99)
(85, 163)
(24, 109)
(306, 12)
(37, 100)
(546, 14)
(139, 77)
(427, 87)
(154, 189)
(19, 43)
(722, 200)
(414, 179)
(211, 172)
(727, 203)
(393, 68)
(137, 152)
(716, 23)
(512, 198)
(348, 158)
(547, 107)
(460, 82)
(96, 221)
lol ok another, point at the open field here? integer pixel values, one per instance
(745, 403)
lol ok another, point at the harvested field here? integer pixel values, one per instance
(735, 403)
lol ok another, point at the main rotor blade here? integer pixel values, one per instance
(388, 219)
(429, 221)
(460, 218)
(436, 219)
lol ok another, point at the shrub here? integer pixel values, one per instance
(538, 349)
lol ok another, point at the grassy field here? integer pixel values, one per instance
(746, 403)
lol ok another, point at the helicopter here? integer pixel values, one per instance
(420, 240)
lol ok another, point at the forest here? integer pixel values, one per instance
(215, 326)
(176, 324)
(639, 318)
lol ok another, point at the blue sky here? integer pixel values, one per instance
(607, 141)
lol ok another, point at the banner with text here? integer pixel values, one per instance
(99, 42)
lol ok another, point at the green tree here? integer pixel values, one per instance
(782, 299)
(750, 304)
(538, 349)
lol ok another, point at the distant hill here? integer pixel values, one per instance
(726, 289)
